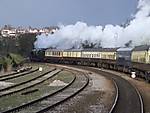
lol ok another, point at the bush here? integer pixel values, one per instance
(1, 64)
(11, 60)
(16, 58)
(7, 64)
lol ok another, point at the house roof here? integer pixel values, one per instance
(102, 49)
(73, 50)
(54, 50)
(78, 50)
(142, 48)
(125, 49)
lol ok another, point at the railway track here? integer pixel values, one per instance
(14, 73)
(67, 94)
(30, 83)
(43, 104)
(26, 81)
(127, 99)
(24, 92)
(4, 75)
(12, 76)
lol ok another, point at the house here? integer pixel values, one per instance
(8, 32)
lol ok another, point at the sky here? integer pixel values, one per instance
(112, 34)
(41, 13)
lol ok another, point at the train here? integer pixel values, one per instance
(125, 59)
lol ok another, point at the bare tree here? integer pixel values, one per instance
(128, 44)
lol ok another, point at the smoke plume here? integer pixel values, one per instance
(137, 30)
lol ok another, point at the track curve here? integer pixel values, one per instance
(29, 85)
(129, 99)
(78, 83)
(21, 107)
(14, 73)
(67, 98)
(17, 75)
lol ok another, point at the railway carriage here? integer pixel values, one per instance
(72, 53)
(53, 55)
(71, 56)
(122, 59)
(108, 58)
(141, 54)
(91, 53)
(124, 56)
(102, 53)
(90, 57)
(141, 61)
(109, 53)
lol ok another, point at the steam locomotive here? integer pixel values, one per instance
(124, 59)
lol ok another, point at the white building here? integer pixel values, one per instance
(21, 31)
(8, 33)
(33, 31)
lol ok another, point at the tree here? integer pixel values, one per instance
(128, 44)
(8, 45)
(7, 63)
(89, 45)
(26, 43)
(99, 44)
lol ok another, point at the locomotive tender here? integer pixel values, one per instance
(125, 59)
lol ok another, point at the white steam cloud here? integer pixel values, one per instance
(68, 36)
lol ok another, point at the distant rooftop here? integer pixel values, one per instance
(142, 48)
(125, 49)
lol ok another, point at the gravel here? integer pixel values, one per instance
(58, 83)
(4, 84)
(94, 99)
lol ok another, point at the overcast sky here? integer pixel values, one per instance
(41, 13)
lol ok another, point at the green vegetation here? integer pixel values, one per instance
(12, 48)
(11, 60)
(16, 58)
(7, 64)
(23, 44)
(26, 44)
(64, 76)
(90, 45)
